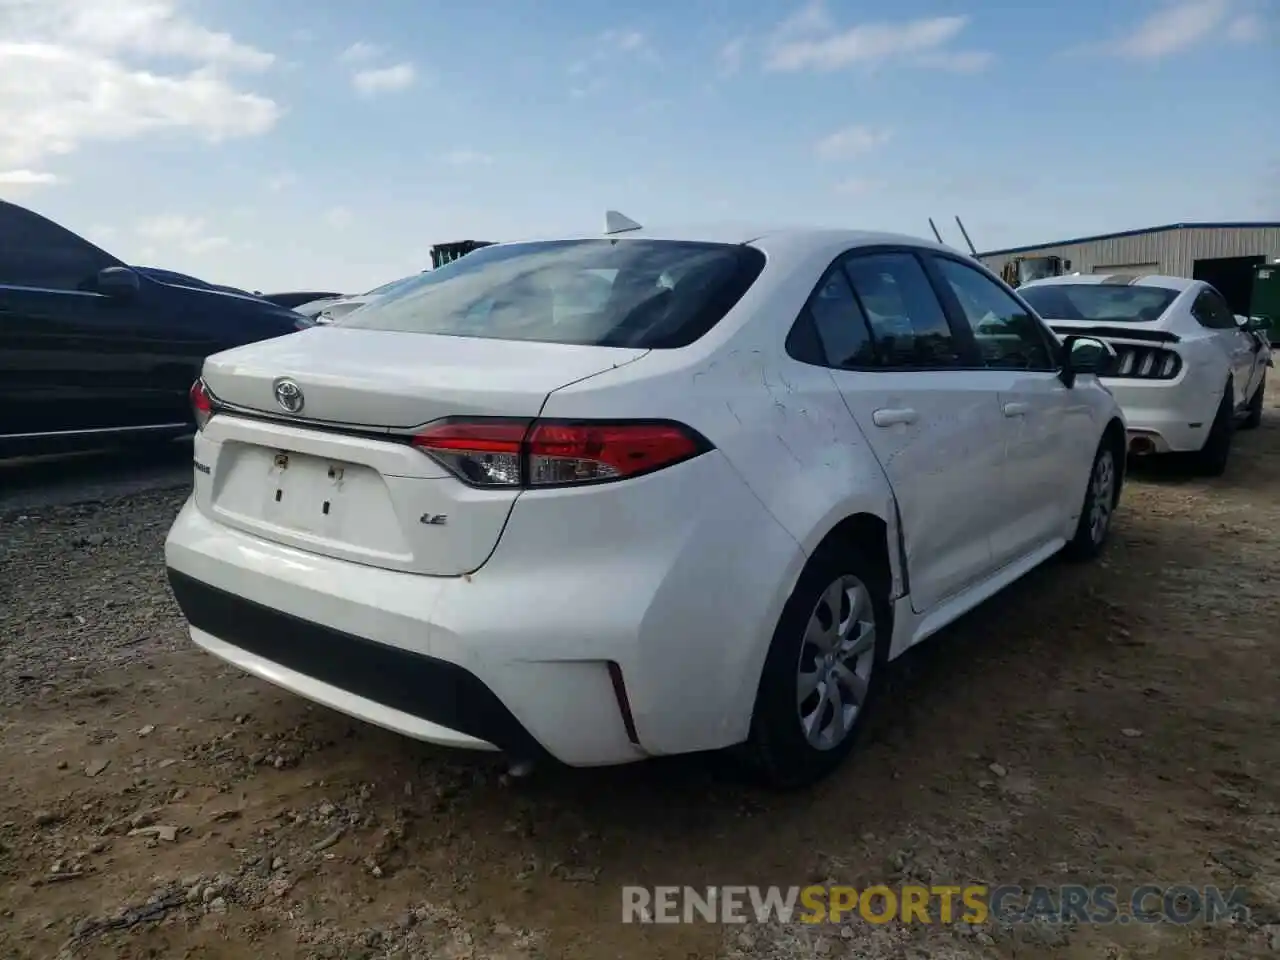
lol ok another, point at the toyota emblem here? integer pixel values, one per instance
(289, 396)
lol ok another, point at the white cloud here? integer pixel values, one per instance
(625, 41)
(1172, 29)
(148, 28)
(857, 186)
(809, 20)
(26, 178)
(190, 235)
(608, 48)
(729, 57)
(360, 52)
(337, 216)
(957, 61)
(855, 141)
(810, 40)
(384, 79)
(467, 158)
(1246, 28)
(281, 182)
(70, 74)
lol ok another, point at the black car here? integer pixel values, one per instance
(186, 280)
(93, 351)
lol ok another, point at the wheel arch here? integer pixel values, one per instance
(876, 539)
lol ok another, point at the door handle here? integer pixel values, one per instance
(1016, 409)
(889, 416)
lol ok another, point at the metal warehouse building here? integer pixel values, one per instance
(1224, 254)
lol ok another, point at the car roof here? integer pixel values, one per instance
(788, 239)
(1144, 280)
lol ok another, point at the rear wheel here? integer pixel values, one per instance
(1212, 457)
(1254, 417)
(823, 671)
(1099, 505)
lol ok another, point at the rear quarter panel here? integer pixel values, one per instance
(781, 423)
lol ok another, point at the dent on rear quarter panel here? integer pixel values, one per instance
(786, 429)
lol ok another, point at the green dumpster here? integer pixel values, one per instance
(443, 253)
(1265, 299)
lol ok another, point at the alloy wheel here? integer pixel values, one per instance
(1103, 495)
(837, 656)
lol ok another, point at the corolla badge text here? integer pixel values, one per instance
(289, 395)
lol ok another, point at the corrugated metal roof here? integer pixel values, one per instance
(1271, 224)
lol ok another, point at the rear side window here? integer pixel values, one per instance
(616, 292)
(35, 252)
(1099, 302)
(840, 324)
(1212, 312)
(907, 322)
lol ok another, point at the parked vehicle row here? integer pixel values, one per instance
(652, 493)
(609, 498)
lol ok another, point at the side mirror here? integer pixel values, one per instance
(118, 282)
(1081, 355)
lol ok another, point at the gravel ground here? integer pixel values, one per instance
(1113, 723)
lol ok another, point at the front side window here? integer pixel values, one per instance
(907, 322)
(1006, 333)
(35, 252)
(613, 292)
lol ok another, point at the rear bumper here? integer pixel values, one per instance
(1165, 417)
(675, 589)
(422, 696)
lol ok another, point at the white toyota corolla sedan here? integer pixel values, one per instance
(647, 493)
(1187, 370)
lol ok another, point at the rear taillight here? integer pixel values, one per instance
(1146, 363)
(201, 403)
(556, 453)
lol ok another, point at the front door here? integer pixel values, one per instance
(933, 428)
(1048, 429)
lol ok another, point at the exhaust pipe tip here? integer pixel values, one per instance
(1142, 446)
(517, 769)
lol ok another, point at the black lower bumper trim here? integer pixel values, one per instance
(421, 686)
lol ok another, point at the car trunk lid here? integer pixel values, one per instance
(339, 477)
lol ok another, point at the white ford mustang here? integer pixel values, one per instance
(1187, 369)
(647, 493)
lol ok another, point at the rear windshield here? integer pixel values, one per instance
(1102, 302)
(616, 293)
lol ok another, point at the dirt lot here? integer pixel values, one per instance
(1115, 723)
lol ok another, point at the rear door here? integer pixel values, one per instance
(905, 377)
(1047, 429)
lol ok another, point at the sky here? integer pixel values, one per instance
(327, 144)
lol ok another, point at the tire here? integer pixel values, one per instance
(1253, 419)
(1100, 499)
(779, 752)
(1213, 456)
